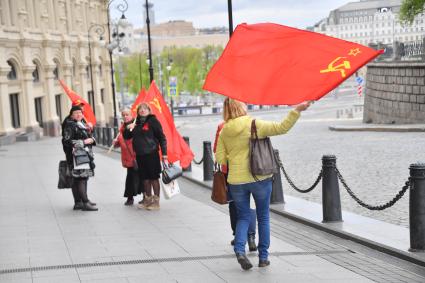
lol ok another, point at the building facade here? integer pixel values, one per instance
(371, 21)
(42, 41)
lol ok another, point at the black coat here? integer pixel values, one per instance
(147, 136)
(71, 133)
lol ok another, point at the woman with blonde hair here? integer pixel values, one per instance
(233, 149)
(148, 137)
(133, 185)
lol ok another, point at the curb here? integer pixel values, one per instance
(376, 129)
(336, 232)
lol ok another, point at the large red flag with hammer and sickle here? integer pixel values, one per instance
(77, 100)
(139, 99)
(177, 148)
(273, 64)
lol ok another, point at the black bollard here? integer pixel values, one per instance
(109, 136)
(208, 161)
(417, 207)
(277, 190)
(331, 200)
(104, 136)
(189, 168)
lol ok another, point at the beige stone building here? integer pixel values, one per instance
(42, 41)
(174, 34)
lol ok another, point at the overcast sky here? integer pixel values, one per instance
(211, 13)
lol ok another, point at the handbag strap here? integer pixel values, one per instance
(254, 130)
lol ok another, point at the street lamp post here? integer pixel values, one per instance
(122, 7)
(149, 41)
(171, 96)
(100, 30)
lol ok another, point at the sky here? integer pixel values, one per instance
(213, 13)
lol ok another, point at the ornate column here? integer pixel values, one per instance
(5, 115)
(100, 108)
(51, 123)
(29, 120)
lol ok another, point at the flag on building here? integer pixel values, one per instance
(274, 64)
(77, 100)
(177, 148)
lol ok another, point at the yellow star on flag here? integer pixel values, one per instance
(354, 52)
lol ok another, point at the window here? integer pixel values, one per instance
(88, 72)
(56, 72)
(39, 111)
(102, 95)
(12, 73)
(100, 70)
(58, 106)
(14, 110)
(35, 74)
(90, 95)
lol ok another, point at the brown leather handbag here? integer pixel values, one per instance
(262, 160)
(219, 190)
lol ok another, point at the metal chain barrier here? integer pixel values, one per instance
(292, 183)
(390, 203)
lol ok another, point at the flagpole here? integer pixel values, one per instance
(149, 41)
(229, 10)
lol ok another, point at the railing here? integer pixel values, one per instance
(330, 176)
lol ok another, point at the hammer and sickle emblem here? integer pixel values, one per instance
(156, 104)
(345, 65)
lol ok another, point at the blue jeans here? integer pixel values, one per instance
(261, 192)
(234, 219)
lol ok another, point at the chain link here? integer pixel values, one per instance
(368, 206)
(198, 163)
(292, 183)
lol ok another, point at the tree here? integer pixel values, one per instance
(410, 9)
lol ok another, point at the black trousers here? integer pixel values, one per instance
(79, 189)
(133, 184)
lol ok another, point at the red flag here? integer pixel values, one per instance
(274, 64)
(139, 99)
(77, 100)
(177, 148)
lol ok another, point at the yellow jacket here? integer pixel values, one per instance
(233, 144)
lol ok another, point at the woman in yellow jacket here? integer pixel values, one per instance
(233, 149)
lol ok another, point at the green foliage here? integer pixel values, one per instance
(189, 65)
(410, 9)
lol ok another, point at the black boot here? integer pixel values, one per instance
(244, 261)
(251, 243)
(263, 263)
(92, 203)
(89, 207)
(78, 205)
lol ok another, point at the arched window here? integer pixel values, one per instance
(36, 73)
(56, 70)
(12, 73)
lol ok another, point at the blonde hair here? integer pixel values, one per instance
(145, 105)
(233, 109)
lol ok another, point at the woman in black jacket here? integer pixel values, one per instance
(148, 136)
(76, 137)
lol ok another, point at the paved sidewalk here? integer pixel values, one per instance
(43, 240)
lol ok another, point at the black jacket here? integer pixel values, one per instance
(71, 133)
(147, 136)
